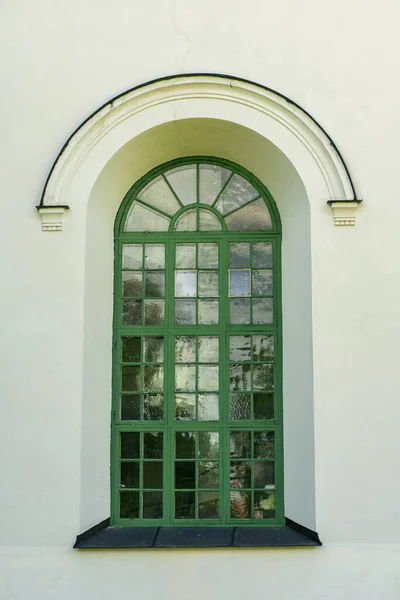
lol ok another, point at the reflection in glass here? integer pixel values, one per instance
(263, 377)
(152, 505)
(185, 283)
(239, 255)
(185, 312)
(153, 444)
(264, 505)
(130, 475)
(142, 218)
(208, 284)
(132, 256)
(154, 284)
(131, 349)
(130, 379)
(154, 312)
(152, 475)
(154, 349)
(185, 378)
(253, 217)
(208, 256)
(262, 255)
(212, 179)
(208, 475)
(208, 221)
(185, 444)
(208, 378)
(208, 444)
(237, 192)
(185, 475)
(130, 407)
(264, 444)
(240, 311)
(239, 282)
(153, 407)
(240, 475)
(264, 475)
(239, 378)
(184, 505)
(129, 444)
(185, 256)
(131, 312)
(131, 284)
(208, 409)
(187, 221)
(240, 505)
(239, 350)
(263, 347)
(158, 194)
(183, 180)
(185, 349)
(208, 505)
(263, 405)
(208, 349)
(154, 256)
(239, 407)
(240, 444)
(185, 407)
(262, 283)
(263, 311)
(208, 312)
(129, 505)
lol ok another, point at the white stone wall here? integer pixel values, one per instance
(62, 60)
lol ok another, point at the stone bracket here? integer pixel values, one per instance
(344, 212)
(52, 217)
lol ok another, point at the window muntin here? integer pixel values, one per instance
(188, 370)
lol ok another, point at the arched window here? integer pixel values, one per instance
(197, 408)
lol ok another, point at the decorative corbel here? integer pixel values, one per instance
(344, 211)
(52, 217)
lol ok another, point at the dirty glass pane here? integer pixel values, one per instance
(185, 349)
(240, 378)
(240, 505)
(131, 283)
(208, 256)
(185, 283)
(185, 406)
(208, 407)
(153, 378)
(263, 377)
(187, 221)
(263, 311)
(212, 179)
(262, 283)
(185, 444)
(264, 444)
(208, 505)
(237, 192)
(154, 312)
(129, 505)
(142, 218)
(130, 444)
(158, 194)
(208, 378)
(132, 256)
(185, 378)
(239, 282)
(185, 312)
(130, 407)
(239, 254)
(208, 284)
(208, 221)
(153, 409)
(208, 312)
(239, 348)
(208, 475)
(131, 312)
(253, 217)
(263, 348)
(208, 349)
(154, 256)
(130, 379)
(208, 444)
(183, 180)
(154, 284)
(130, 475)
(240, 311)
(185, 256)
(240, 407)
(262, 255)
(240, 475)
(264, 505)
(240, 444)
(153, 444)
(154, 349)
(152, 505)
(131, 349)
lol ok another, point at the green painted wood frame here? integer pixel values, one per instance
(169, 425)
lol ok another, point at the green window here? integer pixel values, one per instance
(197, 408)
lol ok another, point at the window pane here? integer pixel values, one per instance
(130, 379)
(212, 179)
(132, 256)
(185, 283)
(185, 349)
(208, 256)
(154, 284)
(263, 405)
(154, 256)
(185, 378)
(239, 282)
(183, 180)
(208, 349)
(141, 218)
(187, 221)
(185, 312)
(154, 312)
(130, 407)
(240, 407)
(237, 192)
(152, 505)
(131, 284)
(153, 444)
(208, 221)
(263, 347)
(264, 444)
(208, 505)
(185, 256)
(240, 444)
(208, 408)
(130, 475)
(185, 505)
(208, 312)
(185, 406)
(263, 377)
(262, 255)
(208, 475)
(131, 349)
(131, 312)
(185, 444)
(263, 311)
(130, 444)
(208, 284)
(185, 475)
(239, 255)
(158, 194)
(240, 505)
(153, 349)
(240, 475)
(264, 475)
(129, 505)
(239, 350)
(262, 283)
(153, 409)
(240, 378)
(208, 444)
(253, 217)
(153, 475)
(208, 378)
(264, 505)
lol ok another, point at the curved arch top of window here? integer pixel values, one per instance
(199, 196)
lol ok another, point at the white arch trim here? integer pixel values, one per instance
(178, 91)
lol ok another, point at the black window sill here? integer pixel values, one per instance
(104, 535)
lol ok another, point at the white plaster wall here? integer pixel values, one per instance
(60, 61)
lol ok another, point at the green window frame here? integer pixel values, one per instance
(197, 432)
